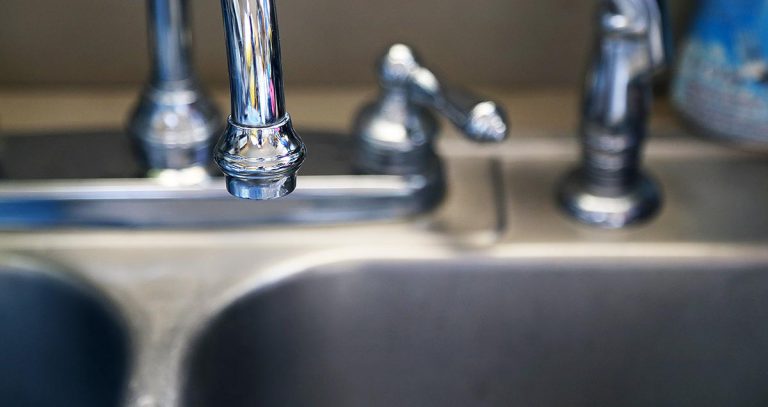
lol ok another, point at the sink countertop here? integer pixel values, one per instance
(542, 142)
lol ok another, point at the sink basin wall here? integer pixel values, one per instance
(441, 334)
(61, 345)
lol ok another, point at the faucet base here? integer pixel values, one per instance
(637, 204)
(53, 188)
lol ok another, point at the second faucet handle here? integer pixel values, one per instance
(480, 120)
(395, 133)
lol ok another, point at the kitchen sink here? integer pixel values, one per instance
(568, 332)
(494, 298)
(61, 344)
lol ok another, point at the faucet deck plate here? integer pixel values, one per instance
(90, 180)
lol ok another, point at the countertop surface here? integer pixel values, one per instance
(531, 112)
(543, 143)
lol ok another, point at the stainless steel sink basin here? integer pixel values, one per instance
(633, 332)
(60, 344)
(495, 298)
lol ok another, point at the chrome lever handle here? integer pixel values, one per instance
(480, 120)
(395, 133)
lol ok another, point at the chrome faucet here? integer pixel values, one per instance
(174, 122)
(395, 133)
(259, 151)
(609, 189)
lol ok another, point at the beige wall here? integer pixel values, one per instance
(510, 43)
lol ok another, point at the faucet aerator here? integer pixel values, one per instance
(261, 189)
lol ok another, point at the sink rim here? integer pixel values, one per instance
(261, 279)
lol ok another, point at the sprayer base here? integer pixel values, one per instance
(637, 204)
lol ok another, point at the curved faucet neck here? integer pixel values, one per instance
(255, 68)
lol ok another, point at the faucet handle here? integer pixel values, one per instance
(480, 120)
(395, 133)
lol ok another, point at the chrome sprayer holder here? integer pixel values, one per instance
(609, 188)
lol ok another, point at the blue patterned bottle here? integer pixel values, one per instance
(721, 85)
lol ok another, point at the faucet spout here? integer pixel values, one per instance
(259, 151)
